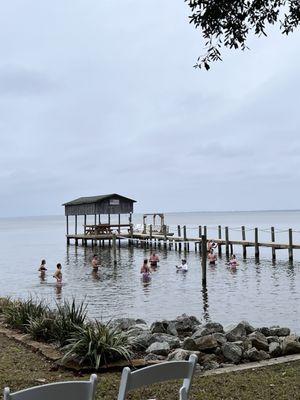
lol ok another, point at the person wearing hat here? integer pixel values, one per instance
(183, 267)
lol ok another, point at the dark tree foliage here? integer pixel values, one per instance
(227, 23)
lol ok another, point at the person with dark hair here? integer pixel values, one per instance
(43, 266)
(212, 258)
(154, 260)
(145, 271)
(58, 274)
(95, 263)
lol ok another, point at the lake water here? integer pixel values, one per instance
(263, 293)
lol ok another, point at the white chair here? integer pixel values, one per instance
(159, 373)
(71, 390)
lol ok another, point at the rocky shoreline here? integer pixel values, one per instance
(216, 346)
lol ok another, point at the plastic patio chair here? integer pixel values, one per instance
(71, 390)
(159, 373)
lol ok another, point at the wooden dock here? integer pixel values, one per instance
(181, 241)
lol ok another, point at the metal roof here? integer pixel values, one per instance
(95, 199)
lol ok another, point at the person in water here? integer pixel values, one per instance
(154, 260)
(95, 263)
(233, 261)
(58, 274)
(183, 266)
(212, 258)
(210, 245)
(43, 268)
(145, 270)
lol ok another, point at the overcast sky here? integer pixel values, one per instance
(101, 96)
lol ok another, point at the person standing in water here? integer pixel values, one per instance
(212, 258)
(58, 274)
(145, 270)
(233, 261)
(95, 263)
(154, 260)
(183, 267)
(43, 268)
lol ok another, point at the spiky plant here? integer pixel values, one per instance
(18, 313)
(41, 328)
(69, 316)
(97, 344)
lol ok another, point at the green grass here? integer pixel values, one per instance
(20, 368)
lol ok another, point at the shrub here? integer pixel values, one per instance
(17, 314)
(4, 303)
(96, 344)
(68, 317)
(41, 327)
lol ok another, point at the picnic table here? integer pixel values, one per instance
(104, 229)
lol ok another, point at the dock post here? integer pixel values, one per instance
(114, 240)
(256, 245)
(179, 235)
(273, 240)
(205, 231)
(244, 246)
(75, 224)
(165, 236)
(290, 244)
(204, 258)
(226, 241)
(184, 237)
(220, 238)
(150, 235)
(200, 235)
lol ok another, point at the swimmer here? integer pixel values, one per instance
(154, 260)
(43, 268)
(210, 245)
(183, 267)
(233, 261)
(58, 274)
(145, 271)
(95, 263)
(212, 258)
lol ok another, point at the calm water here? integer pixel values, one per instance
(262, 293)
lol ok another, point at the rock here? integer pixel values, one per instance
(140, 321)
(159, 348)
(272, 339)
(275, 349)
(154, 357)
(278, 331)
(207, 329)
(256, 355)
(181, 354)
(265, 331)
(159, 327)
(210, 365)
(206, 343)
(172, 341)
(123, 323)
(204, 358)
(259, 341)
(141, 341)
(138, 330)
(185, 323)
(189, 344)
(249, 328)
(171, 329)
(290, 345)
(220, 338)
(236, 332)
(232, 352)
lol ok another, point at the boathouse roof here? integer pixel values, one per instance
(103, 204)
(96, 199)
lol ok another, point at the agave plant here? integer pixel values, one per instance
(96, 344)
(18, 313)
(68, 317)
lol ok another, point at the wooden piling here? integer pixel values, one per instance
(184, 238)
(75, 224)
(165, 236)
(204, 258)
(256, 244)
(244, 238)
(67, 224)
(200, 235)
(290, 249)
(114, 248)
(179, 235)
(273, 240)
(226, 241)
(205, 231)
(219, 244)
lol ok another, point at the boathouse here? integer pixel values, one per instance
(102, 208)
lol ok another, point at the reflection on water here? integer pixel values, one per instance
(263, 292)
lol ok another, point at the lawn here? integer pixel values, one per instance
(21, 368)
